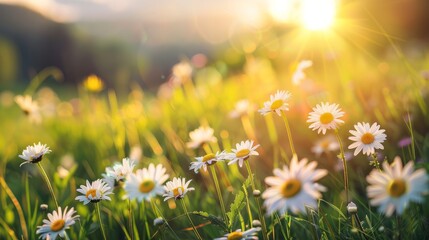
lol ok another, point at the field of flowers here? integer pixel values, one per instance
(332, 144)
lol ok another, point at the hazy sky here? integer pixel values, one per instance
(168, 10)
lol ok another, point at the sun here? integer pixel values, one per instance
(317, 14)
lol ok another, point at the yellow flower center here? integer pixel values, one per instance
(147, 186)
(290, 188)
(176, 192)
(397, 187)
(57, 225)
(208, 157)
(91, 192)
(235, 236)
(276, 104)
(326, 118)
(242, 153)
(367, 138)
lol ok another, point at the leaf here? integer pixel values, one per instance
(238, 203)
(212, 218)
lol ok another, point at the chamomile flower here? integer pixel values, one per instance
(294, 187)
(34, 154)
(181, 73)
(299, 73)
(177, 188)
(325, 116)
(57, 223)
(146, 183)
(94, 192)
(120, 171)
(241, 108)
(239, 235)
(367, 138)
(277, 103)
(206, 160)
(200, 136)
(396, 186)
(242, 152)
(325, 145)
(29, 107)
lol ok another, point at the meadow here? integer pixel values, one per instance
(240, 128)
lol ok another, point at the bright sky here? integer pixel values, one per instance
(76, 10)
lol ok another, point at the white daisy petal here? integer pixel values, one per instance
(367, 138)
(393, 189)
(293, 187)
(57, 223)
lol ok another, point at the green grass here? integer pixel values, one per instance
(97, 129)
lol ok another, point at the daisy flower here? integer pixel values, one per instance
(200, 136)
(242, 152)
(34, 154)
(206, 160)
(94, 192)
(239, 235)
(146, 183)
(29, 107)
(326, 144)
(93, 83)
(325, 116)
(57, 223)
(241, 108)
(120, 171)
(181, 73)
(367, 138)
(177, 188)
(299, 74)
(396, 186)
(294, 187)
(276, 104)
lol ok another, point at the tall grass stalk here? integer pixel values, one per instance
(48, 183)
(261, 215)
(289, 134)
(345, 172)
(130, 219)
(247, 126)
(190, 220)
(17, 207)
(97, 207)
(159, 214)
(146, 223)
(219, 194)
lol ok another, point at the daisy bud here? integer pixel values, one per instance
(43, 207)
(256, 223)
(352, 208)
(256, 193)
(158, 221)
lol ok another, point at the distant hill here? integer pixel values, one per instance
(116, 51)
(40, 42)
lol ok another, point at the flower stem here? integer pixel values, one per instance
(261, 216)
(289, 134)
(145, 220)
(101, 222)
(48, 182)
(190, 220)
(343, 159)
(219, 194)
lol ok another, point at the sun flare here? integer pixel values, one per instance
(317, 14)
